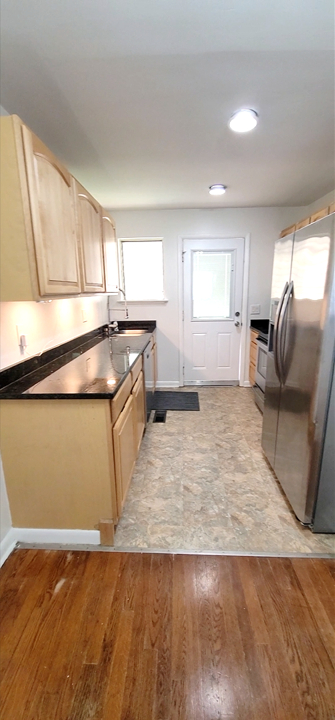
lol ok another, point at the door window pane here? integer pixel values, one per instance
(211, 284)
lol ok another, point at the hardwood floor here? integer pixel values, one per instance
(111, 636)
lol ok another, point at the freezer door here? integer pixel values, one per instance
(303, 329)
(280, 278)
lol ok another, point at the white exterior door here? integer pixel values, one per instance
(213, 276)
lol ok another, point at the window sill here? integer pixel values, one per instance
(143, 302)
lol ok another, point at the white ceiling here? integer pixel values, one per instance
(134, 96)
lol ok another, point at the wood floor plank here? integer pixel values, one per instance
(158, 629)
(179, 647)
(125, 636)
(139, 695)
(323, 581)
(242, 686)
(283, 682)
(322, 624)
(260, 700)
(55, 642)
(252, 601)
(20, 645)
(305, 660)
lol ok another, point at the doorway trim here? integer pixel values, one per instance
(244, 346)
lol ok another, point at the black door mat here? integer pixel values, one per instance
(168, 400)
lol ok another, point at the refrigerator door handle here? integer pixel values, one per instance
(281, 334)
(275, 334)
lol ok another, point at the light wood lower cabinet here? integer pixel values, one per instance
(253, 356)
(58, 462)
(139, 411)
(69, 463)
(124, 451)
(154, 364)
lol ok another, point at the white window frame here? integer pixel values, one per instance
(122, 274)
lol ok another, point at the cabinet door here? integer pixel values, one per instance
(110, 253)
(139, 413)
(51, 198)
(90, 238)
(124, 451)
(154, 364)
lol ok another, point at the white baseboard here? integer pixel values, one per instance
(43, 536)
(246, 383)
(63, 537)
(7, 545)
(167, 384)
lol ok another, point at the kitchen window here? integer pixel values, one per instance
(142, 269)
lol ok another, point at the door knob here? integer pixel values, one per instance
(236, 323)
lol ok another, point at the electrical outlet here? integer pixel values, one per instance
(84, 314)
(255, 309)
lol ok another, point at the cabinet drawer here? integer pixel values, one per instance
(253, 353)
(252, 372)
(135, 371)
(121, 398)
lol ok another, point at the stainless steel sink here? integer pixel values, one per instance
(129, 331)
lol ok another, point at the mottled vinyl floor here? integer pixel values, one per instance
(201, 483)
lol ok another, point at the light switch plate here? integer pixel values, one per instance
(255, 309)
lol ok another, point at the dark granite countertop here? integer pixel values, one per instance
(94, 368)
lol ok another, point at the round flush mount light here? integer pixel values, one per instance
(217, 189)
(243, 120)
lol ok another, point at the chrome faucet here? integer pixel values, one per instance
(126, 313)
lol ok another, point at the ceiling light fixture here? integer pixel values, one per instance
(243, 120)
(218, 189)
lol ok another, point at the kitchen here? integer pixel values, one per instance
(46, 325)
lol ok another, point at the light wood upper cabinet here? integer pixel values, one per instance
(55, 240)
(110, 253)
(50, 188)
(39, 256)
(89, 230)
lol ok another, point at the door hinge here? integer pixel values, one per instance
(182, 255)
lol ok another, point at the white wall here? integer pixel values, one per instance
(264, 226)
(5, 516)
(47, 325)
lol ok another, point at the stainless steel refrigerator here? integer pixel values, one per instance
(298, 420)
